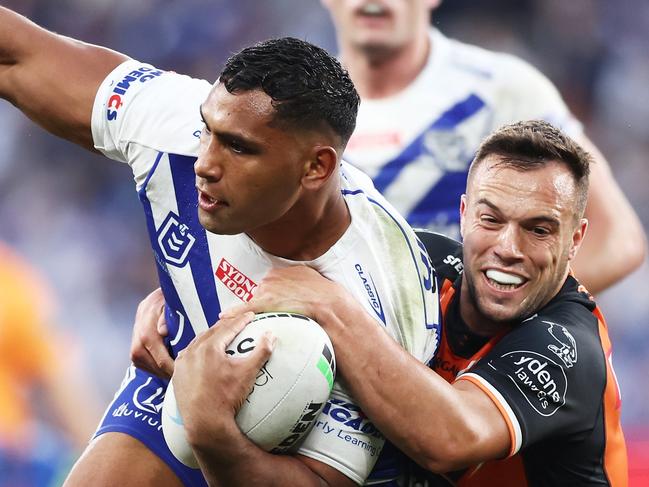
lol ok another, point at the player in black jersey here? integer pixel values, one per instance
(533, 399)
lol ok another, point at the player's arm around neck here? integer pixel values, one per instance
(442, 427)
(51, 78)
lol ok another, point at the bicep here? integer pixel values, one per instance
(484, 409)
(53, 79)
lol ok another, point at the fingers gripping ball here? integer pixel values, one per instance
(290, 389)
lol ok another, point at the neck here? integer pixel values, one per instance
(308, 230)
(476, 321)
(382, 73)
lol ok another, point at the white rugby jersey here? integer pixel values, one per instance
(150, 119)
(417, 145)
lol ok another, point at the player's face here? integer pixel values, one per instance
(248, 173)
(520, 231)
(379, 24)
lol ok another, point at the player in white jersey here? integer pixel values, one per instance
(258, 183)
(428, 101)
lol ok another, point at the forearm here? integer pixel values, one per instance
(240, 462)
(436, 424)
(51, 78)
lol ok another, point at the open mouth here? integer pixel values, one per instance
(373, 9)
(504, 281)
(208, 203)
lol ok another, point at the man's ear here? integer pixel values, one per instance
(320, 166)
(462, 213)
(578, 237)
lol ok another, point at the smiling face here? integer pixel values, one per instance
(248, 172)
(379, 24)
(520, 231)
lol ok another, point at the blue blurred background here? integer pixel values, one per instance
(77, 218)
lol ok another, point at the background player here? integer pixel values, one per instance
(524, 345)
(428, 101)
(42, 429)
(273, 128)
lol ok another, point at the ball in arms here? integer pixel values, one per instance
(290, 389)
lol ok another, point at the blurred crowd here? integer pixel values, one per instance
(77, 218)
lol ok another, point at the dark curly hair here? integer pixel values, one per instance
(308, 87)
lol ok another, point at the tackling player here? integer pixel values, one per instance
(428, 101)
(533, 398)
(234, 178)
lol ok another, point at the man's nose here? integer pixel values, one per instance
(209, 164)
(509, 246)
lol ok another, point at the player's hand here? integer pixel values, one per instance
(296, 289)
(148, 351)
(210, 386)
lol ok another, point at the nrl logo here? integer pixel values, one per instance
(175, 241)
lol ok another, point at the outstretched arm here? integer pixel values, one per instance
(51, 78)
(616, 243)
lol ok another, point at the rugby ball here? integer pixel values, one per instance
(289, 392)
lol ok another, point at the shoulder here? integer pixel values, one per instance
(140, 104)
(505, 79)
(445, 254)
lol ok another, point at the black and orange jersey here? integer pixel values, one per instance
(550, 376)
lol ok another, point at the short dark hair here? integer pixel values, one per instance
(308, 87)
(528, 145)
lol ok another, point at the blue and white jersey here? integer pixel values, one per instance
(417, 145)
(150, 119)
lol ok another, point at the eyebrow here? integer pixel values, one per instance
(200, 110)
(540, 218)
(251, 145)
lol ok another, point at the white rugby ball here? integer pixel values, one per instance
(289, 392)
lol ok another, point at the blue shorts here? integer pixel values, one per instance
(136, 411)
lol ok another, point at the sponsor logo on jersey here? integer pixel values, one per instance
(454, 262)
(174, 240)
(236, 281)
(145, 406)
(541, 380)
(372, 294)
(431, 299)
(566, 347)
(115, 101)
(349, 415)
(346, 422)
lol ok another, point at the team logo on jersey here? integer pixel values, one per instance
(541, 380)
(175, 241)
(236, 281)
(566, 349)
(372, 294)
(115, 102)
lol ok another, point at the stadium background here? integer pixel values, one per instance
(76, 215)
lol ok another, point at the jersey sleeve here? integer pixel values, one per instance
(344, 438)
(546, 377)
(140, 110)
(526, 94)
